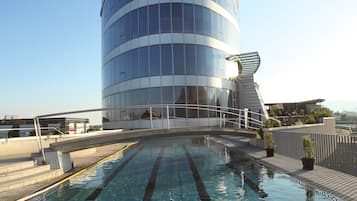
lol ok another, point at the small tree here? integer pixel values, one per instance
(309, 150)
(310, 119)
(269, 141)
(321, 112)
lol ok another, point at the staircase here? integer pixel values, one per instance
(19, 174)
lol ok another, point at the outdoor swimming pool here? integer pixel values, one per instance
(183, 169)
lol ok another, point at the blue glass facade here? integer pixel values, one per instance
(163, 53)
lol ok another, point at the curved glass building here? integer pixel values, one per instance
(166, 52)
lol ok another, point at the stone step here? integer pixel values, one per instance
(9, 176)
(29, 180)
(11, 167)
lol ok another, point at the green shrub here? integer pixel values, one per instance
(271, 123)
(309, 149)
(321, 112)
(310, 119)
(269, 141)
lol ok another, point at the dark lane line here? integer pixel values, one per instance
(196, 176)
(249, 182)
(150, 187)
(100, 188)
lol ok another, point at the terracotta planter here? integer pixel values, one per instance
(270, 152)
(308, 163)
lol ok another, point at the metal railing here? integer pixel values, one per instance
(26, 129)
(225, 116)
(338, 152)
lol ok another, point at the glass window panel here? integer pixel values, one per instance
(154, 60)
(214, 25)
(180, 95)
(121, 68)
(135, 63)
(143, 21)
(199, 20)
(155, 95)
(180, 98)
(220, 27)
(134, 24)
(192, 99)
(179, 59)
(190, 55)
(144, 62)
(165, 18)
(201, 60)
(166, 59)
(177, 17)
(209, 61)
(188, 18)
(154, 19)
(207, 22)
(167, 95)
(155, 98)
(127, 28)
(211, 95)
(202, 100)
(129, 66)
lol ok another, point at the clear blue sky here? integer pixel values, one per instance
(50, 52)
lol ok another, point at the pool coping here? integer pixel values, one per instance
(320, 177)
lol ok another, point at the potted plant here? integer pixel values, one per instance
(308, 159)
(269, 143)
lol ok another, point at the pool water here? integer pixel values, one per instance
(190, 168)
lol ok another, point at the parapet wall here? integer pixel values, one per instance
(328, 126)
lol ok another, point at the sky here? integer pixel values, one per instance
(50, 52)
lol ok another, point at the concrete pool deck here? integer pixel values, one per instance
(340, 184)
(79, 163)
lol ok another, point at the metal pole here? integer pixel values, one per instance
(224, 120)
(168, 116)
(151, 123)
(39, 132)
(239, 119)
(220, 119)
(246, 118)
(37, 135)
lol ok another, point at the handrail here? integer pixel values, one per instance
(235, 116)
(23, 129)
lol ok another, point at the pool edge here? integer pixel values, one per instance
(76, 173)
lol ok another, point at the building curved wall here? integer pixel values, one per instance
(167, 52)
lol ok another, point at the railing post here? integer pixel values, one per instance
(151, 124)
(168, 116)
(220, 119)
(240, 119)
(224, 120)
(37, 135)
(245, 117)
(40, 137)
